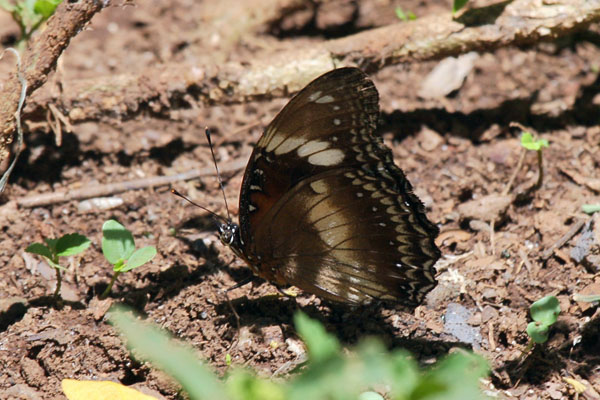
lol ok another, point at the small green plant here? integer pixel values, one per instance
(29, 14)
(528, 143)
(330, 372)
(457, 5)
(67, 245)
(586, 298)
(118, 248)
(590, 208)
(544, 313)
(405, 16)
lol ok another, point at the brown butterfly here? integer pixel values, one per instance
(324, 208)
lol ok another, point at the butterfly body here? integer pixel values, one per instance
(323, 206)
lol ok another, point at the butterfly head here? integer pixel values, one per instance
(229, 234)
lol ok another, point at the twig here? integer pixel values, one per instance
(119, 187)
(564, 239)
(493, 236)
(515, 173)
(237, 322)
(22, 95)
(527, 263)
(58, 117)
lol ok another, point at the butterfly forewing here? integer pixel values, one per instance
(324, 208)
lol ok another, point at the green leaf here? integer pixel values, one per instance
(51, 244)
(457, 5)
(545, 310)
(8, 7)
(590, 208)
(72, 244)
(176, 359)
(380, 367)
(45, 8)
(117, 242)
(370, 396)
(538, 332)
(447, 380)
(528, 142)
(320, 344)
(244, 386)
(119, 265)
(38, 248)
(139, 257)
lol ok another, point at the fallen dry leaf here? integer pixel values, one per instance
(100, 390)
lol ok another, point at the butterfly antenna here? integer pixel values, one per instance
(212, 152)
(217, 216)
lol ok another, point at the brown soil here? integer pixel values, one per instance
(453, 150)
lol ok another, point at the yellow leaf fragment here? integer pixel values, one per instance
(577, 386)
(100, 390)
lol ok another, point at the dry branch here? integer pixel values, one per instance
(40, 59)
(512, 23)
(109, 189)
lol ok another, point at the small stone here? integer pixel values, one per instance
(429, 139)
(447, 76)
(486, 208)
(33, 373)
(99, 308)
(296, 347)
(488, 313)
(99, 203)
(272, 334)
(456, 324)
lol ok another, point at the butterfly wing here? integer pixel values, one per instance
(324, 208)
(306, 137)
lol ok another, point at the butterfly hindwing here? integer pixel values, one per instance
(343, 235)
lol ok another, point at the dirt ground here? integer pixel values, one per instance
(454, 150)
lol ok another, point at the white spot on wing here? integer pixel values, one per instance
(353, 297)
(325, 99)
(319, 186)
(311, 147)
(314, 96)
(274, 142)
(336, 121)
(288, 145)
(327, 157)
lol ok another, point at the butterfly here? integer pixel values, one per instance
(324, 208)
